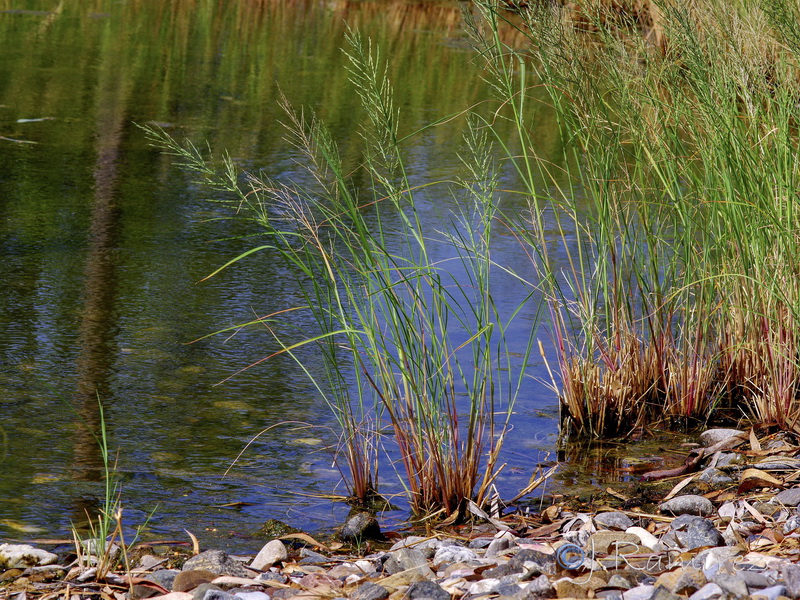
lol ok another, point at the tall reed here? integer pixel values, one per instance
(408, 341)
(676, 297)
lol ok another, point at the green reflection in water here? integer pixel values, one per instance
(103, 242)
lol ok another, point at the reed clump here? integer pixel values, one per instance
(674, 291)
(416, 360)
(663, 236)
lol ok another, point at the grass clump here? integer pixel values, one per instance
(412, 345)
(663, 238)
(674, 291)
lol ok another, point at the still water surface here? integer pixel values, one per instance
(103, 243)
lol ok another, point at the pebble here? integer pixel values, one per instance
(163, 577)
(426, 590)
(662, 593)
(19, 556)
(406, 559)
(200, 591)
(188, 580)
(641, 592)
(484, 586)
(361, 527)
(771, 593)
(613, 520)
(790, 497)
(732, 583)
(252, 595)
(646, 538)
(790, 573)
(613, 542)
(533, 562)
(710, 591)
(217, 562)
(453, 554)
(309, 557)
(503, 541)
(215, 594)
(688, 504)
(272, 553)
(682, 580)
(370, 591)
(715, 436)
(681, 557)
(696, 532)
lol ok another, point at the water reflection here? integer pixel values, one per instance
(104, 240)
(96, 326)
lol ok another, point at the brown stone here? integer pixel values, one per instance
(345, 569)
(614, 543)
(582, 588)
(188, 580)
(685, 580)
(315, 580)
(11, 574)
(403, 578)
(20, 583)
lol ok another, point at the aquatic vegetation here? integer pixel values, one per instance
(416, 357)
(663, 239)
(674, 290)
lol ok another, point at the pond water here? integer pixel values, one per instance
(104, 242)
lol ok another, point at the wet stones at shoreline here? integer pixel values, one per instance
(726, 544)
(691, 560)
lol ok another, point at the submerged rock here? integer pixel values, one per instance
(273, 528)
(715, 477)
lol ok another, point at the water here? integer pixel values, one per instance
(104, 241)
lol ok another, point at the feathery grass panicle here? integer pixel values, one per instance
(403, 337)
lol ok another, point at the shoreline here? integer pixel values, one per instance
(738, 538)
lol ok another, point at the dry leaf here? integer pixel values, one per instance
(231, 581)
(305, 538)
(476, 510)
(545, 531)
(755, 478)
(754, 513)
(720, 496)
(754, 441)
(682, 484)
(616, 494)
(147, 583)
(195, 543)
(550, 514)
